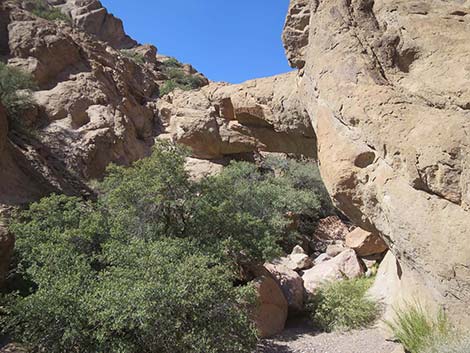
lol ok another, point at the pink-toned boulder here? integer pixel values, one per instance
(334, 250)
(321, 258)
(344, 265)
(365, 243)
(291, 285)
(270, 314)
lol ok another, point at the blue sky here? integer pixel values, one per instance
(227, 40)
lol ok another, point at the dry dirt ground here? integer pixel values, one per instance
(300, 338)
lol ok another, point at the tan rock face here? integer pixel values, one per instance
(93, 18)
(365, 243)
(271, 313)
(386, 86)
(296, 32)
(291, 285)
(396, 284)
(344, 265)
(220, 119)
(94, 106)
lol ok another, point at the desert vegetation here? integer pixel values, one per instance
(136, 57)
(154, 264)
(42, 9)
(15, 92)
(343, 305)
(178, 78)
(419, 331)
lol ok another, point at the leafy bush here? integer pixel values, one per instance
(94, 292)
(136, 57)
(15, 92)
(42, 9)
(177, 78)
(416, 330)
(168, 87)
(244, 209)
(304, 175)
(151, 265)
(343, 305)
(172, 62)
(239, 214)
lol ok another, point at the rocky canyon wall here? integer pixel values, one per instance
(98, 101)
(386, 85)
(381, 96)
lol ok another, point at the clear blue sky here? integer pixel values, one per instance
(227, 40)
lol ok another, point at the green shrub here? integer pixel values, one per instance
(15, 92)
(240, 211)
(171, 62)
(244, 210)
(96, 292)
(177, 78)
(343, 305)
(168, 87)
(150, 266)
(152, 199)
(416, 330)
(452, 344)
(42, 9)
(136, 57)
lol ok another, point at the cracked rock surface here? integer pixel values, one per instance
(386, 85)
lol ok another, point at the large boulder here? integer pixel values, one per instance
(393, 126)
(271, 311)
(344, 265)
(291, 284)
(395, 284)
(365, 243)
(223, 120)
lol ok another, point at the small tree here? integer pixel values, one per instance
(93, 291)
(152, 265)
(15, 92)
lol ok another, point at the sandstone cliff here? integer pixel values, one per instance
(386, 86)
(93, 18)
(98, 102)
(380, 96)
(223, 120)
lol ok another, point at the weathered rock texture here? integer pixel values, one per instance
(94, 106)
(386, 84)
(225, 120)
(93, 18)
(344, 265)
(271, 311)
(291, 285)
(365, 243)
(395, 285)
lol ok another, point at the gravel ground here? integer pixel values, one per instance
(302, 339)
